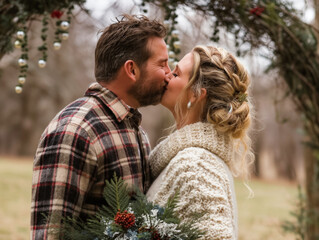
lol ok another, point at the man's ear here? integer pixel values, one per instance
(131, 70)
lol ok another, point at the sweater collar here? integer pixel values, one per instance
(202, 135)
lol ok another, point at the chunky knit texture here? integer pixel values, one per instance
(193, 161)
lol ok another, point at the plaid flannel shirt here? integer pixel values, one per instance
(81, 148)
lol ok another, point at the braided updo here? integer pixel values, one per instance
(226, 83)
(227, 103)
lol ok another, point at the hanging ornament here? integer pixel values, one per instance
(17, 44)
(21, 80)
(171, 54)
(20, 34)
(18, 89)
(64, 36)
(64, 25)
(22, 62)
(57, 45)
(43, 48)
(175, 33)
(177, 44)
(167, 23)
(42, 63)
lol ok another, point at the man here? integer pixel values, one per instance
(99, 134)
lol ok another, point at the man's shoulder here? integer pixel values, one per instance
(85, 113)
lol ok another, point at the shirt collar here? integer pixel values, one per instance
(119, 108)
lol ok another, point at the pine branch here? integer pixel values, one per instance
(116, 195)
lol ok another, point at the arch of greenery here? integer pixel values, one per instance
(273, 24)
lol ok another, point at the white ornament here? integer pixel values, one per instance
(167, 46)
(20, 34)
(175, 33)
(65, 36)
(21, 80)
(18, 89)
(57, 45)
(166, 23)
(17, 44)
(171, 54)
(42, 63)
(22, 62)
(64, 25)
(177, 44)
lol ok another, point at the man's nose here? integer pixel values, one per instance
(168, 77)
(167, 69)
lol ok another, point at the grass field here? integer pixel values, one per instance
(259, 217)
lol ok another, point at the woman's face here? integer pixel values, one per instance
(181, 76)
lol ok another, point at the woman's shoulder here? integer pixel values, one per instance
(198, 161)
(197, 155)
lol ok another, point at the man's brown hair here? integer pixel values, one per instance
(124, 40)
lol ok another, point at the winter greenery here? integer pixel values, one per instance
(130, 216)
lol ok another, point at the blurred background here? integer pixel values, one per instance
(277, 129)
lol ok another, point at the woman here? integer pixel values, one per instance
(208, 97)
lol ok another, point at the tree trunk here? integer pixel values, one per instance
(312, 170)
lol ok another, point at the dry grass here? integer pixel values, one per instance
(259, 217)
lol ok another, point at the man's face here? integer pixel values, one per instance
(151, 85)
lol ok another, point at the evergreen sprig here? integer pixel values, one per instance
(148, 220)
(116, 195)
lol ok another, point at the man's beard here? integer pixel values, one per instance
(146, 93)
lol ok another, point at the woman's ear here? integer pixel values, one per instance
(203, 93)
(201, 97)
(131, 70)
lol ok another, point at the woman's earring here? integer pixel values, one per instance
(189, 104)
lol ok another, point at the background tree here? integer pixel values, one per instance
(272, 24)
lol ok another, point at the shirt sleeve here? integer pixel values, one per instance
(62, 174)
(203, 189)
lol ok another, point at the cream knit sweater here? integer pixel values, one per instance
(193, 160)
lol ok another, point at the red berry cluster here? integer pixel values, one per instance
(56, 14)
(124, 219)
(156, 235)
(257, 11)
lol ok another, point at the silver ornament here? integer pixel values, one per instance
(175, 33)
(57, 45)
(17, 44)
(22, 62)
(64, 25)
(42, 63)
(65, 36)
(166, 23)
(21, 80)
(171, 54)
(177, 44)
(20, 34)
(18, 89)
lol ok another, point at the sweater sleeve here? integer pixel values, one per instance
(204, 187)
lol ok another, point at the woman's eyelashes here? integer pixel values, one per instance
(174, 74)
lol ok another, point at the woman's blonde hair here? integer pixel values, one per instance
(227, 103)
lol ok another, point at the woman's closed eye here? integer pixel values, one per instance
(174, 74)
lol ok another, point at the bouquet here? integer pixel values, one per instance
(132, 218)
